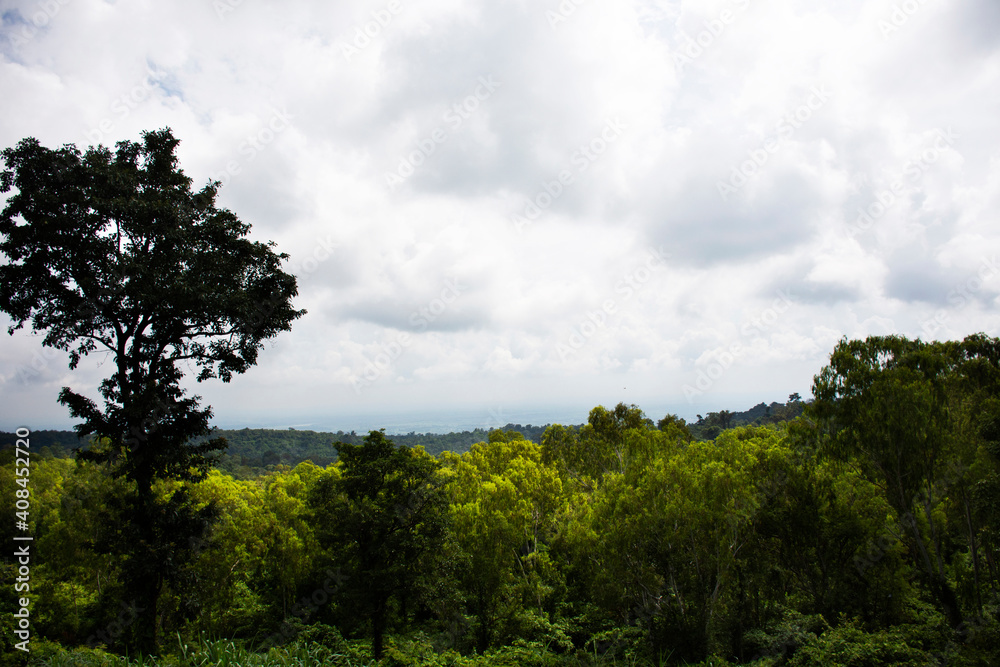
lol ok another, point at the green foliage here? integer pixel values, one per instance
(617, 543)
(383, 517)
(504, 504)
(762, 414)
(113, 252)
(907, 412)
(781, 640)
(253, 452)
(851, 646)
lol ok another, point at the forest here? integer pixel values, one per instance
(859, 527)
(256, 451)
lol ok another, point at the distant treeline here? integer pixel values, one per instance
(252, 451)
(712, 424)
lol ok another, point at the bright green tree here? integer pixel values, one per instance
(602, 445)
(505, 502)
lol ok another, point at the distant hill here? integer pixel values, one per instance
(709, 426)
(253, 450)
(50, 443)
(256, 448)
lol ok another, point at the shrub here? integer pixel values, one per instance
(851, 646)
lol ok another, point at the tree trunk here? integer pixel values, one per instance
(147, 592)
(143, 581)
(378, 629)
(937, 581)
(973, 545)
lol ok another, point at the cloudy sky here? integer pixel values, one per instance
(515, 211)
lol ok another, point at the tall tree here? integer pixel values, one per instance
(601, 445)
(895, 405)
(386, 515)
(505, 501)
(111, 251)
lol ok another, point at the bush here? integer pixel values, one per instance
(851, 646)
(51, 654)
(523, 654)
(783, 639)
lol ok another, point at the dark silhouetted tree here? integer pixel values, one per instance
(111, 251)
(899, 407)
(384, 517)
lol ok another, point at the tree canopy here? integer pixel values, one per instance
(112, 251)
(384, 516)
(915, 415)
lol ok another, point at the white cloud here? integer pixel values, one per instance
(303, 109)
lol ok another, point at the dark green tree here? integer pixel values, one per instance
(385, 518)
(673, 422)
(111, 251)
(898, 407)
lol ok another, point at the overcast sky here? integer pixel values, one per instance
(515, 211)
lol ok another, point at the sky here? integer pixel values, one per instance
(516, 211)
